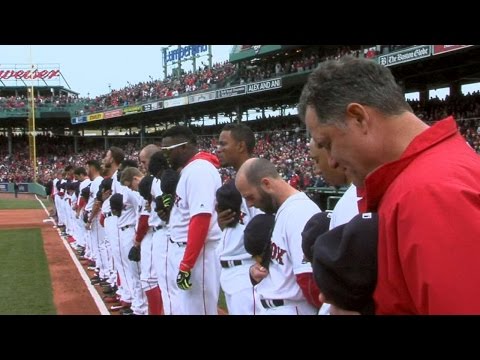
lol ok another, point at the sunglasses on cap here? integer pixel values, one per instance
(171, 147)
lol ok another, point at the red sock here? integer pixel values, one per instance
(155, 303)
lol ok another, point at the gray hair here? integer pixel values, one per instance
(337, 83)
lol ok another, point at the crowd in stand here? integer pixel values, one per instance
(279, 139)
(204, 78)
(21, 101)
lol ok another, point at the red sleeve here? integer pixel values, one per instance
(142, 228)
(309, 288)
(197, 233)
(102, 219)
(82, 203)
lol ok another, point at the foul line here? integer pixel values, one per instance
(96, 297)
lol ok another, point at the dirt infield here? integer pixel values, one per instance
(70, 295)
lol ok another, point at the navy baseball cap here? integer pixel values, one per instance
(317, 225)
(168, 181)
(116, 202)
(228, 197)
(106, 184)
(345, 263)
(85, 193)
(257, 236)
(145, 187)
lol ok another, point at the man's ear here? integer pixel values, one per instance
(358, 115)
(266, 184)
(241, 147)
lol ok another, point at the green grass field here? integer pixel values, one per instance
(221, 301)
(25, 285)
(6, 204)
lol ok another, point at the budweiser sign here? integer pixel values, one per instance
(28, 74)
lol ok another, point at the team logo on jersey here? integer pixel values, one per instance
(277, 253)
(177, 199)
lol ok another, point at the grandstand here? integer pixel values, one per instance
(257, 80)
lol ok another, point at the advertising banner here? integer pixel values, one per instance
(441, 49)
(264, 85)
(175, 102)
(233, 91)
(79, 120)
(132, 110)
(152, 106)
(112, 114)
(95, 117)
(405, 55)
(206, 96)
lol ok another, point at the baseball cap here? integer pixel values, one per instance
(345, 263)
(168, 181)
(145, 187)
(317, 225)
(116, 202)
(228, 197)
(85, 193)
(257, 236)
(106, 184)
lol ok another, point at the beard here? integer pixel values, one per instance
(267, 203)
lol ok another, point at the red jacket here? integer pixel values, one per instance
(429, 226)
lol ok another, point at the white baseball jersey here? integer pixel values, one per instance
(287, 255)
(195, 194)
(154, 219)
(132, 206)
(116, 186)
(82, 186)
(93, 192)
(55, 190)
(232, 245)
(106, 206)
(346, 208)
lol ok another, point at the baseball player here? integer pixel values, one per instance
(235, 145)
(112, 163)
(193, 222)
(287, 286)
(163, 194)
(132, 206)
(347, 207)
(59, 201)
(134, 179)
(97, 233)
(81, 176)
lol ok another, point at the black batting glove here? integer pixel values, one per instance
(183, 280)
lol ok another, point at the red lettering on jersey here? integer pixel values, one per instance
(177, 199)
(277, 253)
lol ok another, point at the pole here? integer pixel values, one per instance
(32, 129)
(210, 56)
